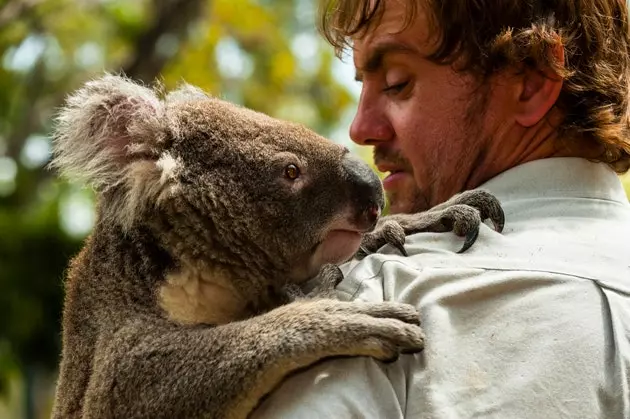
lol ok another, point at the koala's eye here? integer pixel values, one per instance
(292, 172)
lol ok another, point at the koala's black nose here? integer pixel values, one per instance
(366, 190)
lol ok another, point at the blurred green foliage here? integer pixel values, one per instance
(626, 183)
(265, 55)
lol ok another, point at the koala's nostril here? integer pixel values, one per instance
(369, 216)
(373, 213)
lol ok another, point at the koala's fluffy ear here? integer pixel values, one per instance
(186, 92)
(104, 126)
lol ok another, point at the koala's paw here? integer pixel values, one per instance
(327, 280)
(483, 201)
(379, 330)
(462, 220)
(331, 328)
(293, 292)
(387, 231)
(461, 214)
(464, 213)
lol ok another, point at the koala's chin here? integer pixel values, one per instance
(342, 238)
(337, 247)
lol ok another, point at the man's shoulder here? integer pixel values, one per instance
(553, 242)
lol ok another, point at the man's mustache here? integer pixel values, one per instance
(392, 157)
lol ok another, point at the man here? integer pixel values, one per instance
(529, 100)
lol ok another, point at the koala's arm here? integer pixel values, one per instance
(461, 214)
(147, 371)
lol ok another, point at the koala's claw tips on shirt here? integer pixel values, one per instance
(490, 209)
(487, 204)
(471, 238)
(499, 220)
(465, 212)
(401, 248)
(387, 231)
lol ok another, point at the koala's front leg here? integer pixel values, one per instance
(308, 331)
(327, 280)
(321, 286)
(224, 372)
(461, 214)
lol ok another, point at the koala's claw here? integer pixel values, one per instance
(327, 280)
(397, 241)
(400, 245)
(464, 213)
(392, 359)
(411, 351)
(401, 248)
(499, 221)
(483, 201)
(461, 219)
(388, 231)
(471, 238)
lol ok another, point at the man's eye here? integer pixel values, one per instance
(396, 88)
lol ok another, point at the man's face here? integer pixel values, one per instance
(423, 119)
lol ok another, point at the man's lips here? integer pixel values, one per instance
(396, 174)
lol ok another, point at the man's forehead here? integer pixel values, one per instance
(390, 35)
(369, 58)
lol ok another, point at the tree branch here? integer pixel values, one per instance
(14, 10)
(172, 17)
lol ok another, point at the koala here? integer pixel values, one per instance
(187, 298)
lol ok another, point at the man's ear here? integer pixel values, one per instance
(539, 90)
(104, 126)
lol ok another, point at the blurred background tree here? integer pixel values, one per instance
(264, 54)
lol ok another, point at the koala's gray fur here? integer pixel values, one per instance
(182, 302)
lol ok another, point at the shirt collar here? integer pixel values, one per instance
(558, 177)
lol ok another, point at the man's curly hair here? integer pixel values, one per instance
(486, 36)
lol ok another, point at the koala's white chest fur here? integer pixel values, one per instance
(193, 296)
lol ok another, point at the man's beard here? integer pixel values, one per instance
(414, 196)
(416, 199)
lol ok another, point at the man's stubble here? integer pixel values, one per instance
(416, 196)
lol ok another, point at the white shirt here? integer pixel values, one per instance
(530, 323)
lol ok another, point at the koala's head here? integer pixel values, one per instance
(213, 181)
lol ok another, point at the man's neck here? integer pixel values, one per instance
(517, 145)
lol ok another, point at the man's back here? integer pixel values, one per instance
(531, 323)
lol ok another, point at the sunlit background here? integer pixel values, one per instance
(264, 54)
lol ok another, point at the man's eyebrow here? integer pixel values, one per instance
(374, 60)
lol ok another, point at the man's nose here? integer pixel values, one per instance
(370, 125)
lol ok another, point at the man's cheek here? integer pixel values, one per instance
(407, 197)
